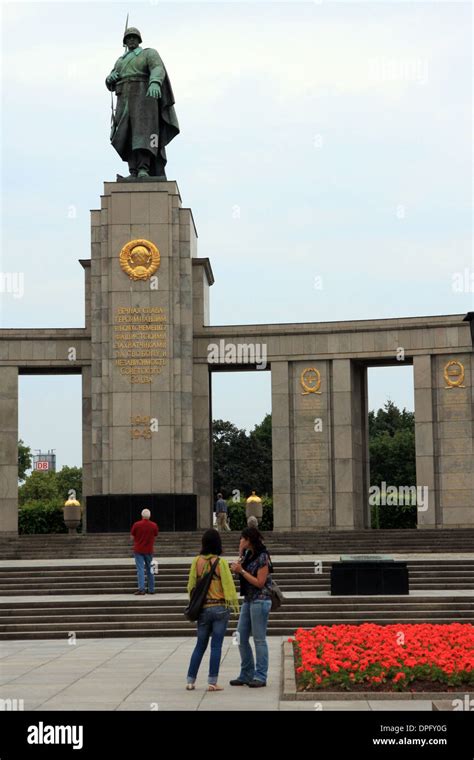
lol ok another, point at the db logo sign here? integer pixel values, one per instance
(42, 465)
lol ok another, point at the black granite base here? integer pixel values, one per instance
(116, 513)
(369, 578)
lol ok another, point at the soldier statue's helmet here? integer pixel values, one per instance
(132, 30)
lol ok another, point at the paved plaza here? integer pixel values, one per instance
(144, 674)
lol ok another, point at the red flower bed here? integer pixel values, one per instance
(384, 657)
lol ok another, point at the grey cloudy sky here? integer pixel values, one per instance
(325, 151)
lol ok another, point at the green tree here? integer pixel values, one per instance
(390, 419)
(242, 461)
(261, 456)
(392, 461)
(39, 486)
(392, 458)
(24, 459)
(51, 486)
(69, 478)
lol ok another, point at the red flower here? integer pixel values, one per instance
(375, 653)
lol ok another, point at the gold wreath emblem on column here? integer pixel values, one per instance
(139, 259)
(454, 374)
(310, 381)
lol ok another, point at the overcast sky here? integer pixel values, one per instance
(325, 151)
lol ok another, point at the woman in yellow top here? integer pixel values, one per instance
(221, 600)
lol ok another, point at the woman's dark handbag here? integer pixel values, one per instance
(199, 594)
(277, 596)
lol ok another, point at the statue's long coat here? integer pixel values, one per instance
(141, 121)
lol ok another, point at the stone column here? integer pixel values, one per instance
(86, 442)
(283, 496)
(454, 436)
(349, 399)
(202, 444)
(203, 278)
(310, 437)
(9, 450)
(429, 514)
(86, 265)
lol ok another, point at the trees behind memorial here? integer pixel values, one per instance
(392, 464)
(392, 446)
(242, 461)
(47, 486)
(41, 498)
(24, 460)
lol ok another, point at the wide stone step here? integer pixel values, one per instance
(308, 620)
(466, 567)
(303, 618)
(123, 575)
(119, 587)
(71, 600)
(151, 606)
(179, 631)
(366, 541)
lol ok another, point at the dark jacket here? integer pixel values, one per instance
(221, 506)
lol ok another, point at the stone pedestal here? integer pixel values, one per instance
(142, 451)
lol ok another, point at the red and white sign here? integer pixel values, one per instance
(42, 466)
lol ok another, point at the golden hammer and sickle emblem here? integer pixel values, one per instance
(139, 259)
(454, 374)
(310, 381)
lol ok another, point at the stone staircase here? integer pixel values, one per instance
(110, 545)
(120, 578)
(150, 616)
(158, 615)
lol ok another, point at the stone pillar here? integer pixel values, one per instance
(142, 405)
(310, 437)
(202, 444)
(429, 515)
(86, 442)
(283, 496)
(202, 280)
(86, 265)
(9, 450)
(453, 437)
(350, 442)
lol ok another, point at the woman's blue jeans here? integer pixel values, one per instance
(253, 621)
(211, 624)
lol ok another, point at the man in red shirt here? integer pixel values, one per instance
(144, 533)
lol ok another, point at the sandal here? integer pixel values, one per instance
(215, 687)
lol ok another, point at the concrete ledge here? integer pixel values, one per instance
(446, 705)
(289, 692)
(288, 686)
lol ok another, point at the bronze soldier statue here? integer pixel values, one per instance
(144, 121)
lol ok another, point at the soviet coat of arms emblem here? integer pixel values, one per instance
(139, 259)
